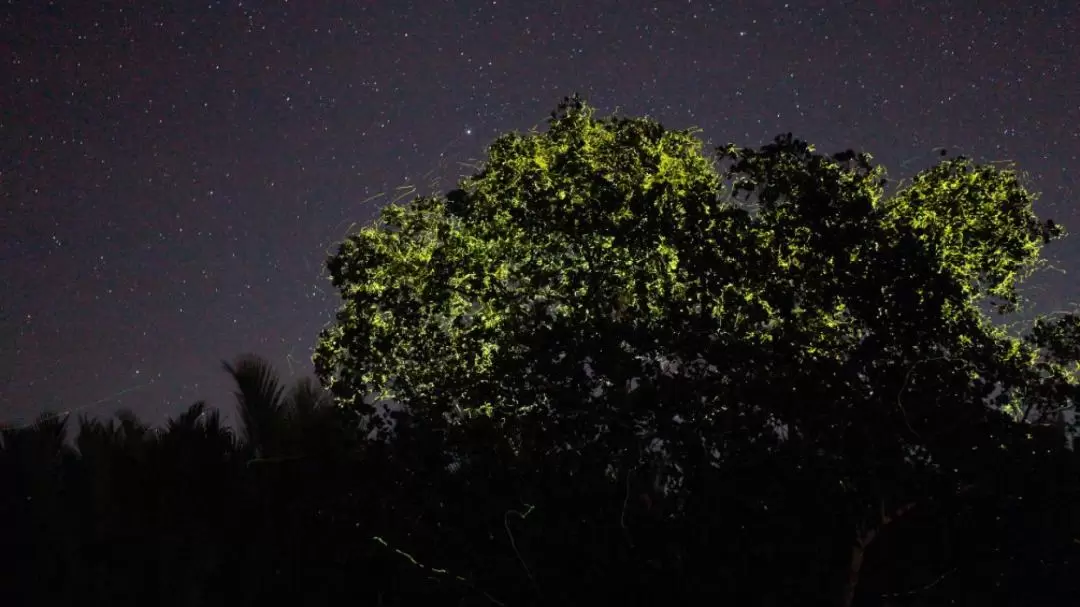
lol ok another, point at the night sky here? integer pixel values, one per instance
(174, 176)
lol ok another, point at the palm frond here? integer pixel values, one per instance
(44, 438)
(307, 397)
(189, 418)
(259, 401)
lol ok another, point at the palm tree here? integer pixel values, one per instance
(154, 500)
(294, 441)
(196, 485)
(35, 467)
(199, 431)
(107, 446)
(317, 426)
(276, 423)
(118, 508)
(33, 462)
(260, 405)
(41, 445)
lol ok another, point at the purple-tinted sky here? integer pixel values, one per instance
(174, 175)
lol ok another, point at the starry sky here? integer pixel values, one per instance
(173, 175)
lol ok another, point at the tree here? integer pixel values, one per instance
(182, 515)
(604, 288)
(34, 489)
(260, 404)
(279, 422)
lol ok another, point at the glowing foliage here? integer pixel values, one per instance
(782, 287)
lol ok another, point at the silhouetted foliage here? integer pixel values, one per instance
(620, 371)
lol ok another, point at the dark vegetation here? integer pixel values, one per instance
(625, 374)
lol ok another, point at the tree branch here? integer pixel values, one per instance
(918, 589)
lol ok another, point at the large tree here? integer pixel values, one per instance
(606, 297)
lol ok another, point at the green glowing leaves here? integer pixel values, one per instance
(979, 222)
(621, 244)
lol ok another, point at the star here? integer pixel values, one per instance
(273, 158)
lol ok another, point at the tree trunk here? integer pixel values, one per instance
(855, 563)
(846, 597)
